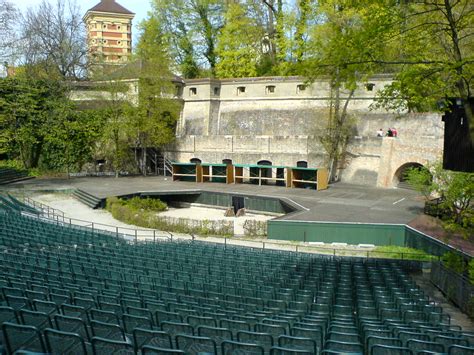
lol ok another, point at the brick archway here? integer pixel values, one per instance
(399, 175)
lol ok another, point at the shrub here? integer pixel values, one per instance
(143, 213)
(454, 261)
(147, 204)
(398, 252)
(470, 269)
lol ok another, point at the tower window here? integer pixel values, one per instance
(240, 90)
(370, 86)
(300, 88)
(270, 89)
(216, 90)
(192, 91)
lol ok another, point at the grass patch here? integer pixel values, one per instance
(143, 212)
(397, 252)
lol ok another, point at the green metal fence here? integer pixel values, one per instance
(328, 232)
(455, 286)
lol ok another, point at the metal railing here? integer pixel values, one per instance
(42, 208)
(167, 166)
(58, 216)
(455, 286)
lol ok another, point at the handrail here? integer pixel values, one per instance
(132, 233)
(59, 217)
(45, 209)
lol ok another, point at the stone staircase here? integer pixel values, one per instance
(88, 199)
(9, 175)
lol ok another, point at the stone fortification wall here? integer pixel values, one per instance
(279, 119)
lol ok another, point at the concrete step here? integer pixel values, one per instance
(88, 199)
(8, 175)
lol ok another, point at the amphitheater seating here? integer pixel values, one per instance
(9, 175)
(12, 204)
(66, 289)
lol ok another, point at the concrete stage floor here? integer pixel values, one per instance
(339, 203)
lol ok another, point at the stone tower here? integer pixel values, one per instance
(109, 33)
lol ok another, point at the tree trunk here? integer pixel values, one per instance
(460, 84)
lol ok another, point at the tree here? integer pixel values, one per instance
(24, 109)
(191, 28)
(301, 29)
(8, 37)
(139, 103)
(432, 54)
(239, 45)
(54, 39)
(345, 37)
(455, 190)
(152, 122)
(73, 140)
(39, 125)
(115, 103)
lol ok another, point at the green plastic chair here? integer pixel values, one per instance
(58, 342)
(195, 344)
(234, 347)
(22, 337)
(106, 346)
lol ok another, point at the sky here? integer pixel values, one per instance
(139, 7)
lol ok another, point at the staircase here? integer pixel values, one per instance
(9, 175)
(88, 199)
(167, 168)
(159, 163)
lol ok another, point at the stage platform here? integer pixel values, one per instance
(339, 203)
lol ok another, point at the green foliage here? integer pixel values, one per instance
(456, 192)
(397, 252)
(145, 204)
(238, 48)
(142, 114)
(136, 210)
(12, 164)
(72, 143)
(470, 269)
(432, 54)
(455, 262)
(40, 126)
(191, 29)
(420, 179)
